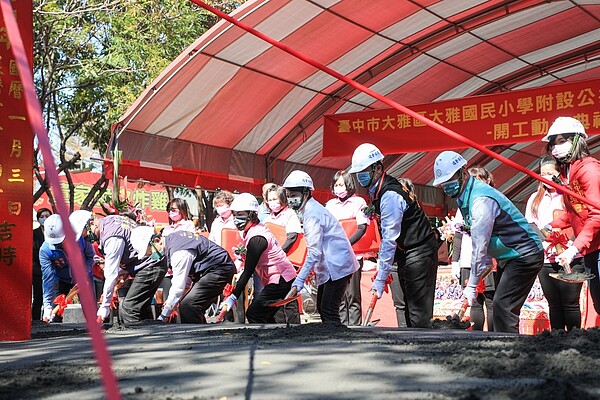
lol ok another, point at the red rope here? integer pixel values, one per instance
(34, 115)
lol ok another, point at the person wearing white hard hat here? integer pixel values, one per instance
(581, 173)
(330, 253)
(56, 269)
(209, 266)
(266, 259)
(406, 236)
(124, 245)
(563, 297)
(498, 230)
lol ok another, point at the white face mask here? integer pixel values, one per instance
(560, 151)
(340, 191)
(275, 205)
(223, 211)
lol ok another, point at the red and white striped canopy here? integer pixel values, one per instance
(240, 111)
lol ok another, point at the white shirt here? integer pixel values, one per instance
(329, 252)
(217, 226)
(183, 225)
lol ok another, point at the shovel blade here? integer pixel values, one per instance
(284, 301)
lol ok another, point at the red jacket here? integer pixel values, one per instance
(584, 179)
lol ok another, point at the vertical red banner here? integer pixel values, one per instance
(16, 185)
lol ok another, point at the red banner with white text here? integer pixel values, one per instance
(498, 119)
(16, 161)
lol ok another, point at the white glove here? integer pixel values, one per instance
(163, 318)
(378, 287)
(299, 284)
(228, 302)
(470, 293)
(47, 314)
(566, 257)
(456, 270)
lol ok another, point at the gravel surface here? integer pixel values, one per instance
(313, 361)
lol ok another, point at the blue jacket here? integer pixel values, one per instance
(512, 236)
(55, 267)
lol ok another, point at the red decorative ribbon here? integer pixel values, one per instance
(62, 302)
(556, 238)
(227, 290)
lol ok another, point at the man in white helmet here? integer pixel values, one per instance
(330, 253)
(406, 236)
(56, 269)
(265, 259)
(567, 143)
(498, 229)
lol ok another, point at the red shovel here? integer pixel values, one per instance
(284, 301)
(369, 314)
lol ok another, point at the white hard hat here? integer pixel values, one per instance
(298, 179)
(53, 229)
(366, 154)
(446, 165)
(244, 202)
(78, 219)
(140, 239)
(564, 125)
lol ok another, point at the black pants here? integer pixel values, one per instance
(350, 308)
(515, 278)
(202, 294)
(36, 306)
(563, 297)
(398, 298)
(417, 273)
(477, 314)
(259, 311)
(591, 266)
(329, 298)
(137, 304)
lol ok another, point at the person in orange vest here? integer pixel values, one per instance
(347, 205)
(265, 258)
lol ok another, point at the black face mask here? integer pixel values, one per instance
(240, 222)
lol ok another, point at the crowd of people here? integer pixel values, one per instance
(497, 251)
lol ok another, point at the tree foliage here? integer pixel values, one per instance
(93, 58)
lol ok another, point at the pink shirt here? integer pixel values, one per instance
(350, 208)
(217, 226)
(286, 218)
(273, 263)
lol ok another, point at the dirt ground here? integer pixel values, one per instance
(313, 361)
